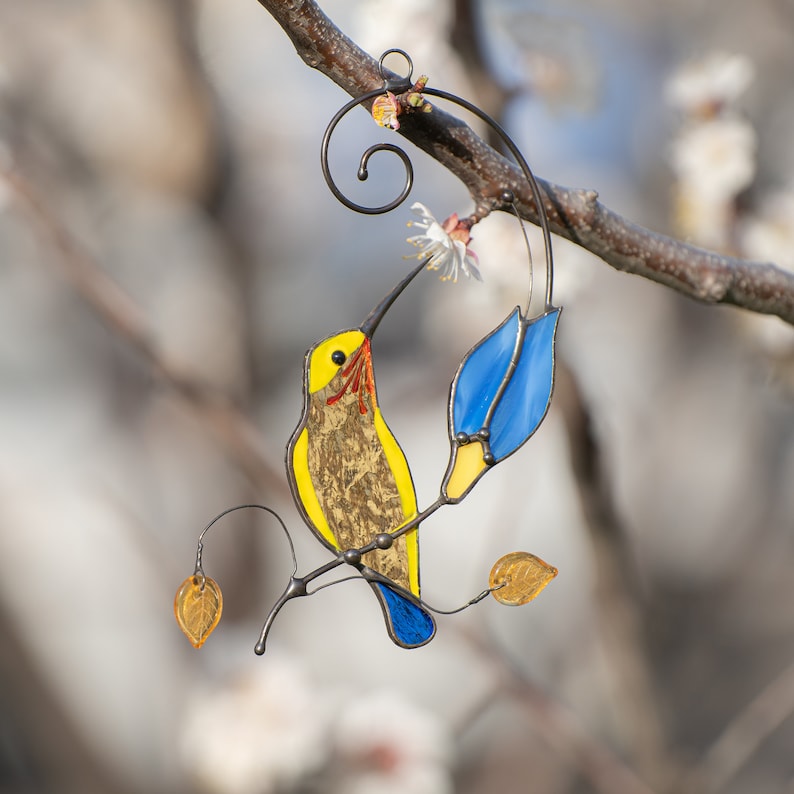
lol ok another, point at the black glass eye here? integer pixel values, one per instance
(338, 357)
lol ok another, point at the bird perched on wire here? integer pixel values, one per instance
(350, 478)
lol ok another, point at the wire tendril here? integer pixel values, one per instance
(400, 84)
(199, 569)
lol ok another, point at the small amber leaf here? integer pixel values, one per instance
(520, 577)
(198, 609)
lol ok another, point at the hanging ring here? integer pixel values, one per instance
(397, 84)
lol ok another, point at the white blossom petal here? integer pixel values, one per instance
(717, 79)
(450, 257)
(262, 732)
(389, 746)
(716, 157)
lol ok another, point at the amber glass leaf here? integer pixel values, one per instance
(198, 609)
(520, 577)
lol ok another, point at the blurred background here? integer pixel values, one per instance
(170, 250)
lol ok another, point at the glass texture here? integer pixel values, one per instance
(526, 398)
(198, 609)
(520, 577)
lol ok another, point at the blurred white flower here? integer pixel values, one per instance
(378, 24)
(713, 161)
(716, 158)
(264, 732)
(769, 236)
(704, 86)
(444, 245)
(385, 745)
(552, 58)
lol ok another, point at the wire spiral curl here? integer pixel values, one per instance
(400, 85)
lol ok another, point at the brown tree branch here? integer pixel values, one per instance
(574, 214)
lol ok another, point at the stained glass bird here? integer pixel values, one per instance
(347, 473)
(349, 476)
(352, 485)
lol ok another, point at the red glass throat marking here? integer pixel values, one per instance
(359, 369)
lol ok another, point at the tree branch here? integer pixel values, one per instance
(574, 214)
(743, 735)
(559, 727)
(125, 319)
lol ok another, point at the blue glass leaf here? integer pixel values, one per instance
(408, 623)
(479, 376)
(526, 399)
(524, 402)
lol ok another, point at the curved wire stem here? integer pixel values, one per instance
(400, 85)
(199, 569)
(356, 578)
(352, 578)
(471, 602)
(523, 227)
(528, 175)
(297, 586)
(363, 172)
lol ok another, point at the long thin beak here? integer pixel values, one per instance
(376, 315)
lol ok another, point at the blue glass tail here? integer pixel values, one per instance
(409, 624)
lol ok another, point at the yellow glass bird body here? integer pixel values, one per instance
(348, 474)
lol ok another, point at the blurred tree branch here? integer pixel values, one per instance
(743, 735)
(558, 726)
(52, 753)
(124, 318)
(621, 605)
(575, 214)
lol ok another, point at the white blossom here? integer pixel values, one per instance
(264, 732)
(769, 236)
(713, 161)
(709, 83)
(386, 745)
(716, 158)
(444, 245)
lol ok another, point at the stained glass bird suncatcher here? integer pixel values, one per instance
(348, 474)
